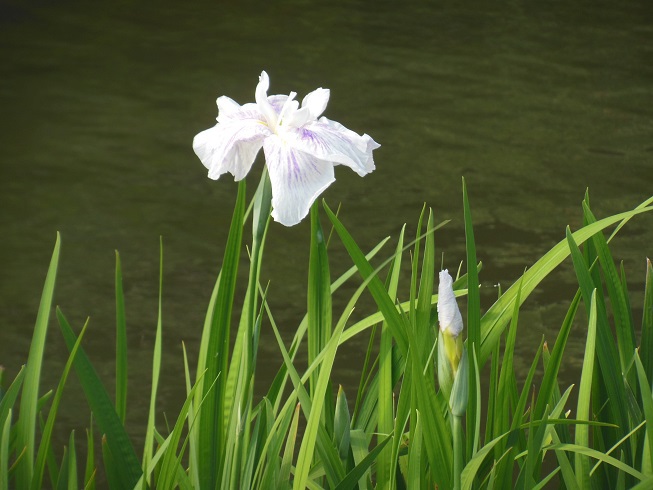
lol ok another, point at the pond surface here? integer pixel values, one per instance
(531, 103)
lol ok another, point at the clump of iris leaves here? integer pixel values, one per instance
(399, 434)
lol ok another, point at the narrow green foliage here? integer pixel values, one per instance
(330, 459)
(473, 325)
(647, 322)
(437, 438)
(62, 480)
(621, 312)
(156, 370)
(112, 472)
(10, 396)
(584, 395)
(4, 451)
(379, 293)
(414, 476)
(547, 396)
(422, 326)
(386, 422)
(341, 426)
(647, 402)
(171, 461)
(407, 430)
(354, 476)
(89, 471)
(286, 463)
(507, 399)
(307, 447)
(72, 463)
(211, 431)
(620, 465)
(117, 447)
(44, 447)
(26, 426)
(606, 348)
(319, 307)
(498, 315)
(121, 345)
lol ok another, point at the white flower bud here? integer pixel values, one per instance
(449, 316)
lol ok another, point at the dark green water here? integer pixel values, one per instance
(531, 102)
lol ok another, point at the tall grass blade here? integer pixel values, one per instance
(211, 430)
(171, 462)
(114, 478)
(121, 345)
(647, 322)
(89, 471)
(4, 451)
(62, 480)
(10, 396)
(621, 312)
(473, 323)
(375, 286)
(582, 464)
(594, 454)
(319, 308)
(72, 463)
(286, 462)
(327, 452)
(422, 326)
(385, 386)
(240, 376)
(469, 473)
(647, 402)
(26, 425)
(414, 475)
(156, 370)
(437, 438)
(498, 315)
(307, 447)
(546, 395)
(44, 446)
(353, 477)
(117, 447)
(606, 348)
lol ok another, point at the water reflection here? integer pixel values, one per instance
(100, 104)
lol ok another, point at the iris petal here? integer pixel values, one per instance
(230, 147)
(262, 101)
(316, 102)
(331, 141)
(230, 111)
(297, 179)
(226, 106)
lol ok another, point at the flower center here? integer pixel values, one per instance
(285, 108)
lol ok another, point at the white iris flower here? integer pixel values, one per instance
(300, 149)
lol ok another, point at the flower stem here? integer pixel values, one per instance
(458, 449)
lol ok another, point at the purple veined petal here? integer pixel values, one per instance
(229, 111)
(331, 141)
(278, 101)
(449, 316)
(297, 179)
(230, 147)
(316, 102)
